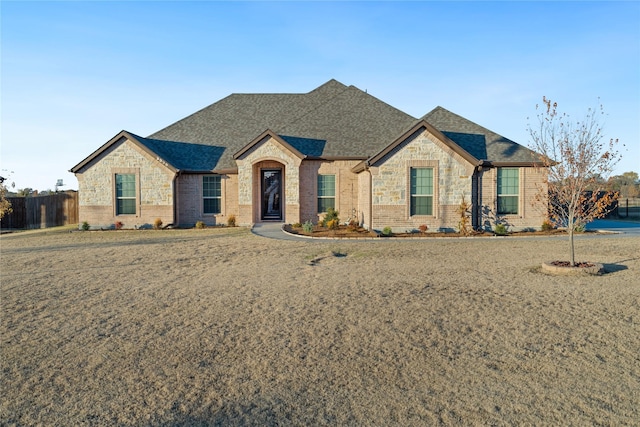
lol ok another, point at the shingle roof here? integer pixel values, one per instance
(184, 156)
(478, 141)
(333, 120)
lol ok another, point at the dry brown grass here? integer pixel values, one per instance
(221, 327)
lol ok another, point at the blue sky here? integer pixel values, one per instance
(76, 73)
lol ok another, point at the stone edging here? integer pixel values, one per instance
(596, 269)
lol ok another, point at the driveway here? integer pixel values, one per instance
(627, 228)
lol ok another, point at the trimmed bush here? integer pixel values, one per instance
(500, 230)
(331, 215)
(307, 227)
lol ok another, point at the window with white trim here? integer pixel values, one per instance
(326, 192)
(125, 194)
(508, 190)
(421, 191)
(211, 194)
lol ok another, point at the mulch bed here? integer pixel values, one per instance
(568, 264)
(346, 232)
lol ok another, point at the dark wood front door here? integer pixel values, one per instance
(271, 191)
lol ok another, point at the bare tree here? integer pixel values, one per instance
(577, 160)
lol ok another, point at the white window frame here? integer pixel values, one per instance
(217, 197)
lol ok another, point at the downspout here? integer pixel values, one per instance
(475, 198)
(176, 221)
(478, 173)
(366, 168)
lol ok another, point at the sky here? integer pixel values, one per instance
(74, 74)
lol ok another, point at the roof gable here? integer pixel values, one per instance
(480, 142)
(119, 137)
(264, 136)
(419, 126)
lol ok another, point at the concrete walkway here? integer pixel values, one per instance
(273, 230)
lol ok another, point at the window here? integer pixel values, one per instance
(508, 189)
(211, 194)
(326, 192)
(125, 194)
(421, 190)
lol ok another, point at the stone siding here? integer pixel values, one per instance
(248, 180)
(391, 181)
(154, 188)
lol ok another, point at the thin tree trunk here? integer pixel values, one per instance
(573, 257)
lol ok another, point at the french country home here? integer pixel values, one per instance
(290, 157)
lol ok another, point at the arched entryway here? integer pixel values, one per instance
(269, 194)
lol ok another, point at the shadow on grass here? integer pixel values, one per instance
(614, 268)
(618, 266)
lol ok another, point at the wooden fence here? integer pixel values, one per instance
(42, 211)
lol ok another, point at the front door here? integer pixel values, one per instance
(271, 194)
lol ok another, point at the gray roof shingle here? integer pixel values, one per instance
(478, 141)
(331, 121)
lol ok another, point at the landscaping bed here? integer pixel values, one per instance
(350, 232)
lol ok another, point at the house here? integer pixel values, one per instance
(289, 157)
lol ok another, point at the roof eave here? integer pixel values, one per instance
(227, 171)
(515, 164)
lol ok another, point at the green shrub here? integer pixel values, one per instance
(307, 227)
(500, 230)
(85, 226)
(331, 215)
(387, 231)
(297, 225)
(200, 225)
(231, 221)
(546, 225)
